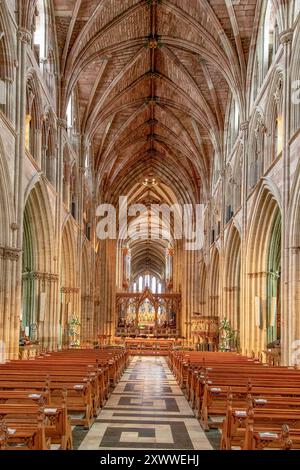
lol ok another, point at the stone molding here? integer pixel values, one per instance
(40, 276)
(10, 253)
(24, 36)
(70, 290)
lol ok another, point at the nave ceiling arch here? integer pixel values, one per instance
(156, 76)
(153, 79)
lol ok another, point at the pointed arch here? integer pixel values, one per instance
(7, 216)
(232, 276)
(259, 317)
(203, 288)
(86, 307)
(215, 283)
(294, 256)
(38, 268)
(68, 282)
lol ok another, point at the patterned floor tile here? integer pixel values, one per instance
(147, 410)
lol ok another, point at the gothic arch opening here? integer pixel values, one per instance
(232, 276)
(38, 275)
(86, 307)
(69, 291)
(263, 266)
(215, 284)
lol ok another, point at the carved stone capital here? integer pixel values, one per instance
(70, 290)
(286, 37)
(231, 289)
(244, 126)
(24, 36)
(62, 123)
(40, 276)
(8, 253)
(257, 275)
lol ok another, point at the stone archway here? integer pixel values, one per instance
(214, 309)
(9, 266)
(69, 284)
(39, 280)
(232, 278)
(260, 258)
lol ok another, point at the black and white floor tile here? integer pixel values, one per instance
(147, 410)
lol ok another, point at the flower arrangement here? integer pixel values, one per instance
(226, 335)
(74, 331)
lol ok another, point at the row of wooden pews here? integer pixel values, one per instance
(41, 399)
(255, 405)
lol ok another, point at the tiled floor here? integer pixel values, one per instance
(147, 410)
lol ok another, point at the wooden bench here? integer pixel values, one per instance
(55, 420)
(250, 428)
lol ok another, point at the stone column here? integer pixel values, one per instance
(38, 147)
(66, 185)
(287, 314)
(222, 281)
(245, 326)
(10, 258)
(23, 41)
(80, 239)
(126, 268)
(58, 313)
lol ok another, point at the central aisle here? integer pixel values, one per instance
(147, 410)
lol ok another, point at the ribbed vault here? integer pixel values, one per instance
(153, 79)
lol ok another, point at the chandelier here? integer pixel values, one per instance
(150, 182)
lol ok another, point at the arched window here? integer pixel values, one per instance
(66, 178)
(7, 61)
(69, 114)
(216, 170)
(50, 75)
(159, 288)
(141, 282)
(269, 37)
(278, 136)
(295, 10)
(33, 120)
(153, 285)
(39, 38)
(74, 191)
(2, 95)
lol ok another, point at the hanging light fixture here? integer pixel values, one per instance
(148, 182)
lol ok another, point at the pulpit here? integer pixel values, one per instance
(205, 332)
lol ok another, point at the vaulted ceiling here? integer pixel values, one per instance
(153, 79)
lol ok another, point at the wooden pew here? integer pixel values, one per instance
(28, 436)
(56, 423)
(83, 377)
(251, 428)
